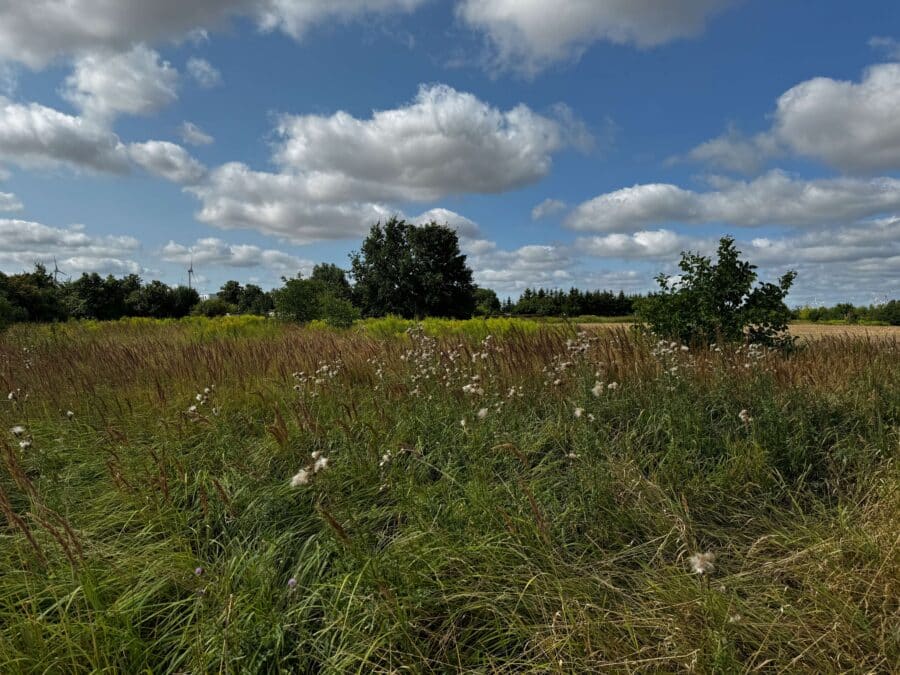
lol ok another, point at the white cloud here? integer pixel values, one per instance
(338, 173)
(234, 197)
(547, 208)
(529, 35)
(851, 126)
(465, 228)
(646, 244)
(510, 271)
(167, 160)
(23, 243)
(204, 73)
(735, 152)
(445, 142)
(212, 251)
(9, 202)
(193, 135)
(104, 85)
(35, 32)
(32, 135)
(774, 198)
(889, 46)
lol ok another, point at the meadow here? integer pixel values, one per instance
(241, 495)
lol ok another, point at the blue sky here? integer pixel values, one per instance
(577, 143)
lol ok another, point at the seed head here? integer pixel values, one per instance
(482, 413)
(17, 430)
(70, 414)
(579, 412)
(703, 563)
(25, 444)
(300, 478)
(321, 463)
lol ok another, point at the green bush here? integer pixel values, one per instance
(213, 307)
(716, 302)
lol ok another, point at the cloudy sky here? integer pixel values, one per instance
(572, 143)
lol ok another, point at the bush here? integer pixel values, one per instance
(337, 312)
(213, 307)
(712, 302)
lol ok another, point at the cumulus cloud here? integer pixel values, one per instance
(774, 198)
(889, 46)
(465, 228)
(167, 160)
(204, 73)
(511, 271)
(235, 197)
(444, 142)
(850, 126)
(193, 135)
(104, 85)
(529, 35)
(547, 208)
(9, 202)
(212, 251)
(35, 32)
(338, 173)
(646, 244)
(33, 135)
(23, 243)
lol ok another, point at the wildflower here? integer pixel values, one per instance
(598, 388)
(591, 417)
(292, 583)
(25, 444)
(315, 454)
(572, 456)
(462, 423)
(300, 478)
(321, 463)
(207, 391)
(385, 459)
(482, 413)
(199, 572)
(685, 348)
(612, 386)
(199, 398)
(192, 409)
(70, 414)
(12, 396)
(579, 412)
(17, 430)
(744, 416)
(703, 563)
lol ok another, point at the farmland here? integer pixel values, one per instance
(497, 496)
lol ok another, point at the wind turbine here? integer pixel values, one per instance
(57, 272)
(191, 272)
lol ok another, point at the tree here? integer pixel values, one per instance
(212, 307)
(231, 292)
(298, 300)
(184, 300)
(712, 302)
(254, 300)
(486, 302)
(333, 278)
(154, 300)
(34, 296)
(412, 271)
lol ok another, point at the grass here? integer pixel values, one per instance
(141, 535)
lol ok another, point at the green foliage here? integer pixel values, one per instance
(298, 300)
(212, 307)
(231, 292)
(412, 271)
(486, 302)
(716, 302)
(333, 279)
(337, 312)
(254, 300)
(575, 302)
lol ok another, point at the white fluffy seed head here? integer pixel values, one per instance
(321, 463)
(300, 478)
(703, 563)
(17, 430)
(482, 413)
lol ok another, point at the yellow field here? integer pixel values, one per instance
(802, 330)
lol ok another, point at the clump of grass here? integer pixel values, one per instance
(141, 534)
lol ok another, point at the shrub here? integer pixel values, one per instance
(712, 302)
(213, 307)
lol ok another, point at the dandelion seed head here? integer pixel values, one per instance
(17, 430)
(612, 385)
(320, 465)
(579, 412)
(598, 388)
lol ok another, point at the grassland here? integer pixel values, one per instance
(243, 496)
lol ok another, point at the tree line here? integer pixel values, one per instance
(402, 269)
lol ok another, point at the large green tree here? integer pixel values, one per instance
(413, 271)
(716, 301)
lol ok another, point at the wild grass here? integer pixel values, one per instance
(528, 502)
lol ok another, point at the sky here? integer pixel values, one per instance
(575, 143)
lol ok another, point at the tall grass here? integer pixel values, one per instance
(527, 502)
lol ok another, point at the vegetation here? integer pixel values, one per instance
(412, 271)
(238, 494)
(887, 313)
(717, 302)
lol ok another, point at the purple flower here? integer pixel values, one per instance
(199, 571)
(292, 583)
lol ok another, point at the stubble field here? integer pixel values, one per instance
(243, 496)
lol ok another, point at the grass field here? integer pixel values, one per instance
(243, 496)
(801, 330)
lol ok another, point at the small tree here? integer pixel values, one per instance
(486, 302)
(212, 307)
(717, 301)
